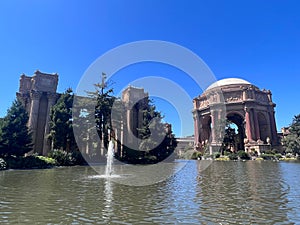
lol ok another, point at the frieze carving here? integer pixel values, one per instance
(233, 97)
(204, 104)
(261, 97)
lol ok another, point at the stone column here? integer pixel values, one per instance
(273, 128)
(196, 128)
(256, 123)
(248, 124)
(51, 101)
(213, 124)
(33, 115)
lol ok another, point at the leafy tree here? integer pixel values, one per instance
(1, 125)
(292, 140)
(15, 137)
(61, 131)
(157, 140)
(229, 139)
(161, 144)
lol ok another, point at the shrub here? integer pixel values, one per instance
(3, 165)
(227, 152)
(233, 156)
(48, 160)
(267, 156)
(196, 155)
(78, 158)
(278, 156)
(28, 162)
(270, 152)
(217, 155)
(243, 155)
(62, 158)
(223, 158)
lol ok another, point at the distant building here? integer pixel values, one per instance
(184, 144)
(38, 94)
(242, 103)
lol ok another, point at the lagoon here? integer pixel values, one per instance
(250, 192)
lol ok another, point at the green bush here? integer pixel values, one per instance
(267, 156)
(278, 156)
(270, 152)
(78, 158)
(3, 165)
(243, 155)
(48, 160)
(217, 155)
(62, 158)
(233, 156)
(196, 155)
(227, 152)
(28, 162)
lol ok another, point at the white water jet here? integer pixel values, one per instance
(109, 159)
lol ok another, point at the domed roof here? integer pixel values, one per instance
(228, 81)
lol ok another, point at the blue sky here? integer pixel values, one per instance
(255, 40)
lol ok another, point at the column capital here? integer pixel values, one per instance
(52, 97)
(36, 95)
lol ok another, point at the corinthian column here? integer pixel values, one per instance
(248, 124)
(196, 128)
(33, 115)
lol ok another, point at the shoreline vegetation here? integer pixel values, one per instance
(61, 158)
(241, 155)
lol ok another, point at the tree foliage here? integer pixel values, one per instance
(157, 141)
(103, 109)
(292, 140)
(15, 137)
(61, 131)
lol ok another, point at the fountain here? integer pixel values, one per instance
(110, 159)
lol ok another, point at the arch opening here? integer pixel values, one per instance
(234, 133)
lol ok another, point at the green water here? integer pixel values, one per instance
(224, 193)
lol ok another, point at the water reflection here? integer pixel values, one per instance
(244, 193)
(223, 193)
(108, 210)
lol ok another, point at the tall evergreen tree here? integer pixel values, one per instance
(15, 137)
(61, 131)
(103, 108)
(292, 140)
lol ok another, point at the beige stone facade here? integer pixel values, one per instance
(38, 95)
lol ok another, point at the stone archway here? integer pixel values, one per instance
(238, 120)
(249, 107)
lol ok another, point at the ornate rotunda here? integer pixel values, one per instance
(243, 104)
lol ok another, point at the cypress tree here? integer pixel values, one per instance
(15, 137)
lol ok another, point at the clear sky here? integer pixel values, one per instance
(255, 40)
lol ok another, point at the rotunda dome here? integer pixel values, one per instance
(228, 81)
